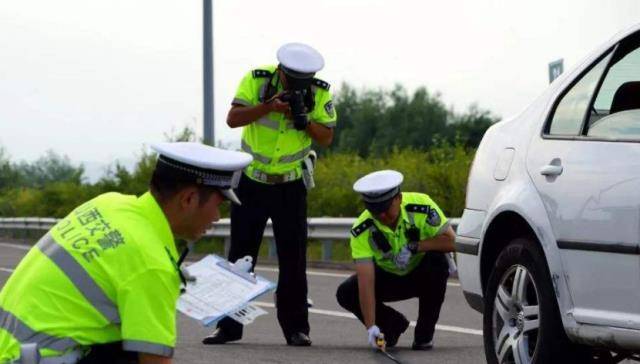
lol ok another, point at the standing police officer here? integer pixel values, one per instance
(397, 244)
(102, 285)
(283, 109)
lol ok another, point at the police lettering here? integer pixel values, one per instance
(87, 217)
(90, 254)
(79, 243)
(111, 240)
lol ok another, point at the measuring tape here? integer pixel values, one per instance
(382, 348)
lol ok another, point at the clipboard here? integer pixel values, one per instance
(220, 289)
(231, 268)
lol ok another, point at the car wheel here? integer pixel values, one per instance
(521, 320)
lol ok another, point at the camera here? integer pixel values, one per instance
(295, 98)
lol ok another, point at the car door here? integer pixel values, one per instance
(586, 167)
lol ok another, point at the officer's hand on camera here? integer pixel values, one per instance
(276, 104)
(402, 258)
(373, 332)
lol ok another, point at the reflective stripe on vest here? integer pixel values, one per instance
(295, 156)
(24, 334)
(283, 159)
(271, 124)
(147, 347)
(80, 278)
(259, 157)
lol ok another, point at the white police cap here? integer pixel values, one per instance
(378, 188)
(202, 164)
(300, 60)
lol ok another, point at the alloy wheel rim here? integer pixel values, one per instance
(516, 317)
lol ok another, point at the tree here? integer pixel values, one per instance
(374, 122)
(9, 175)
(50, 168)
(471, 126)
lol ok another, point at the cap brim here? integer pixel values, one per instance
(378, 207)
(295, 74)
(231, 196)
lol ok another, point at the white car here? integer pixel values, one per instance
(549, 241)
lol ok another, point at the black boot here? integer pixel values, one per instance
(392, 334)
(219, 337)
(299, 339)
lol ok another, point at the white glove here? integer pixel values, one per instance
(453, 268)
(402, 258)
(374, 332)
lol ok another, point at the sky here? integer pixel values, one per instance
(98, 80)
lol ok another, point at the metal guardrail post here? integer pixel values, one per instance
(227, 246)
(327, 246)
(273, 253)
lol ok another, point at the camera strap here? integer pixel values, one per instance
(270, 89)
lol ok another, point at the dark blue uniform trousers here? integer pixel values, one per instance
(286, 205)
(427, 282)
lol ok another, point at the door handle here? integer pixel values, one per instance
(551, 170)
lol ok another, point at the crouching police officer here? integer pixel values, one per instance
(398, 245)
(282, 109)
(102, 285)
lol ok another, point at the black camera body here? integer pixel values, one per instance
(296, 98)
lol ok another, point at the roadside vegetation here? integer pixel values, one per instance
(416, 134)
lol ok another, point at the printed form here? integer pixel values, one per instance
(219, 290)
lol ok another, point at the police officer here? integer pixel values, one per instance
(102, 285)
(282, 109)
(397, 244)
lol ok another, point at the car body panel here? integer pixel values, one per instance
(492, 192)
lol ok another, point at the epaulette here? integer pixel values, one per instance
(261, 73)
(366, 224)
(423, 209)
(320, 83)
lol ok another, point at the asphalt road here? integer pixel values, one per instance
(337, 336)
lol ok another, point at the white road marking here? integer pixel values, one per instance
(309, 272)
(16, 246)
(456, 329)
(6, 270)
(327, 274)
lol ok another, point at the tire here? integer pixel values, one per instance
(522, 324)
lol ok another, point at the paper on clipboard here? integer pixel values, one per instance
(219, 290)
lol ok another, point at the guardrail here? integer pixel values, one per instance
(327, 230)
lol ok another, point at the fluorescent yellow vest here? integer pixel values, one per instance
(104, 273)
(276, 146)
(426, 216)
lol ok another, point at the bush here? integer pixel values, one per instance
(441, 172)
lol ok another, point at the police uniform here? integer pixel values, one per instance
(424, 275)
(107, 273)
(272, 185)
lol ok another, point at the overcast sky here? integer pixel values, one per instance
(97, 80)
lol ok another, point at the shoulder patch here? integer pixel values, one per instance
(328, 107)
(320, 83)
(362, 227)
(261, 73)
(433, 217)
(423, 209)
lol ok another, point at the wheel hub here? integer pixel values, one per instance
(516, 317)
(520, 321)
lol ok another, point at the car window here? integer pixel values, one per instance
(620, 125)
(616, 111)
(572, 108)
